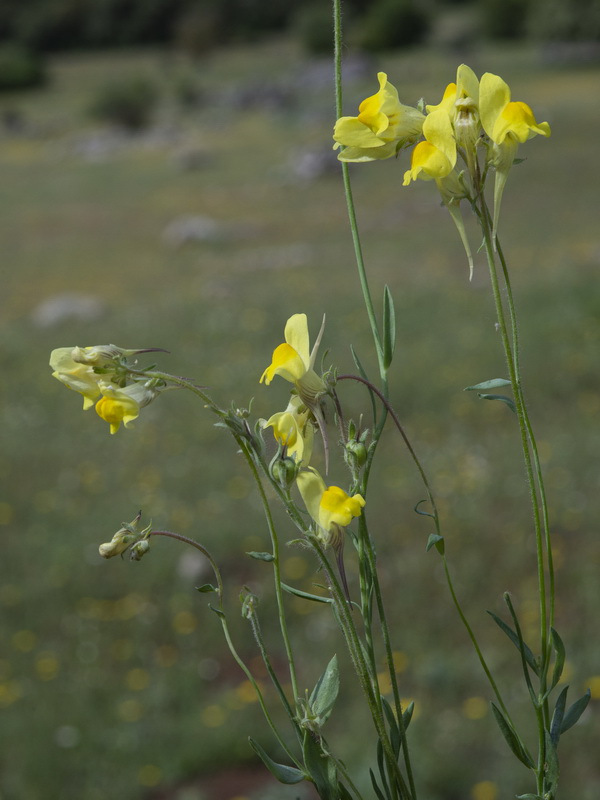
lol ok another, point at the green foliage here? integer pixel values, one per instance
(504, 19)
(393, 23)
(312, 26)
(20, 68)
(128, 103)
(565, 20)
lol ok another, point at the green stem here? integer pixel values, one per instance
(232, 650)
(364, 284)
(515, 379)
(276, 570)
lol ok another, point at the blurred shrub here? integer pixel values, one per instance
(313, 27)
(20, 68)
(559, 20)
(129, 103)
(198, 30)
(393, 23)
(504, 19)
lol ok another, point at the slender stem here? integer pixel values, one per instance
(232, 649)
(525, 431)
(276, 570)
(364, 284)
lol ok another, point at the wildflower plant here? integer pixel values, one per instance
(463, 143)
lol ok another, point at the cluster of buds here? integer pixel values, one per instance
(102, 376)
(474, 116)
(128, 537)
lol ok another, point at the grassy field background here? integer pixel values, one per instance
(114, 680)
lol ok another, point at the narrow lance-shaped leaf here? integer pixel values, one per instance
(363, 375)
(389, 327)
(321, 768)
(511, 738)
(575, 711)
(305, 595)
(260, 556)
(284, 774)
(494, 383)
(551, 769)
(325, 693)
(376, 789)
(559, 663)
(503, 399)
(395, 740)
(529, 657)
(558, 715)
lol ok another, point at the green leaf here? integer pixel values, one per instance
(558, 715)
(321, 768)
(260, 556)
(495, 383)
(305, 595)
(559, 663)
(503, 399)
(325, 693)
(435, 540)
(363, 375)
(395, 739)
(512, 739)
(529, 657)
(575, 711)
(529, 796)
(284, 774)
(407, 715)
(206, 588)
(551, 769)
(389, 327)
(217, 611)
(378, 792)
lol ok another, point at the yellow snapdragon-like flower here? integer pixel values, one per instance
(434, 158)
(382, 127)
(330, 507)
(77, 376)
(293, 429)
(508, 124)
(293, 361)
(122, 405)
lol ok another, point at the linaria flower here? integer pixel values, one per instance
(77, 376)
(508, 124)
(122, 405)
(330, 507)
(383, 126)
(293, 429)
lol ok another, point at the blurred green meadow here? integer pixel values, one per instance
(202, 234)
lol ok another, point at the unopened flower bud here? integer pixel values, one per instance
(249, 603)
(139, 549)
(284, 471)
(356, 452)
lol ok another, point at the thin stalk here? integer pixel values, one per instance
(521, 415)
(362, 274)
(276, 571)
(232, 649)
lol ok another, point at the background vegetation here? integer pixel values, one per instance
(201, 233)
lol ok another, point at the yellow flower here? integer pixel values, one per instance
(293, 361)
(123, 404)
(508, 124)
(436, 156)
(331, 508)
(293, 429)
(77, 376)
(382, 127)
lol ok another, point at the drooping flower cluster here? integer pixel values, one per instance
(100, 374)
(473, 117)
(331, 508)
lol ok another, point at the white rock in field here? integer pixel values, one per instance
(67, 306)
